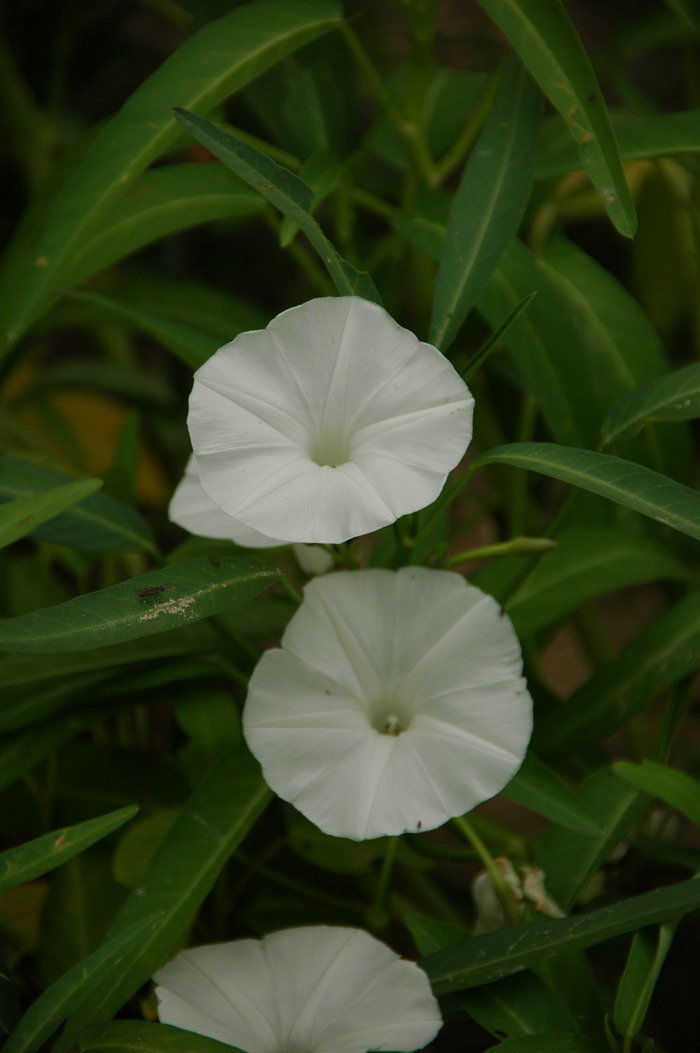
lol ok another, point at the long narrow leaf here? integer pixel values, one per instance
(285, 190)
(647, 955)
(538, 787)
(489, 203)
(21, 516)
(624, 482)
(182, 872)
(675, 397)
(218, 60)
(139, 1036)
(60, 999)
(96, 524)
(153, 603)
(26, 862)
(676, 788)
(491, 957)
(546, 40)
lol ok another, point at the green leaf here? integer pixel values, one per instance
(60, 999)
(161, 202)
(38, 857)
(547, 347)
(489, 203)
(675, 788)
(163, 599)
(538, 787)
(517, 1005)
(585, 563)
(96, 524)
(477, 360)
(182, 872)
(569, 858)
(484, 959)
(285, 190)
(639, 138)
(674, 397)
(660, 656)
(21, 516)
(647, 955)
(219, 59)
(546, 40)
(138, 1036)
(191, 346)
(624, 482)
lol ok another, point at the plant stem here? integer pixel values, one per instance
(518, 546)
(377, 915)
(501, 888)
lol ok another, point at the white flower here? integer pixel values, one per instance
(314, 989)
(191, 509)
(330, 423)
(394, 703)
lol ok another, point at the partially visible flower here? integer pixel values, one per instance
(527, 887)
(395, 702)
(313, 559)
(191, 509)
(332, 422)
(314, 989)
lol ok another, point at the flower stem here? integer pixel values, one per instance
(291, 592)
(517, 546)
(410, 133)
(377, 915)
(500, 886)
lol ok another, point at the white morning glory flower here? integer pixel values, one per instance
(314, 989)
(395, 702)
(330, 423)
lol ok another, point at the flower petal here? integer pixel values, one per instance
(314, 989)
(395, 702)
(330, 423)
(195, 511)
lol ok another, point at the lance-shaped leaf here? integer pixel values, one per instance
(162, 202)
(191, 346)
(60, 999)
(140, 1036)
(164, 599)
(674, 397)
(483, 959)
(489, 203)
(660, 656)
(217, 60)
(19, 517)
(624, 482)
(538, 787)
(185, 866)
(675, 788)
(286, 191)
(547, 42)
(660, 135)
(647, 955)
(96, 524)
(38, 857)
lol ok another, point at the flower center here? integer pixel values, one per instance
(390, 716)
(330, 448)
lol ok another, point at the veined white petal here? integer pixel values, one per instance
(195, 511)
(313, 989)
(395, 702)
(330, 423)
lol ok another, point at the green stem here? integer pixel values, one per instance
(467, 137)
(447, 496)
(291, 592)
(500, 886)
(518, 546)
(410, 133)
(377, 916)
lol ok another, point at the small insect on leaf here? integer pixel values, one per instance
(151, 590)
